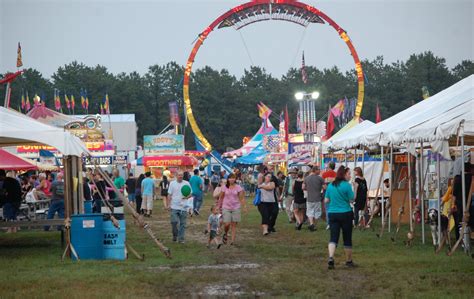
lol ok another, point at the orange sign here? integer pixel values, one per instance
(92, 146)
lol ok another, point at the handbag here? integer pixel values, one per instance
(258, 198)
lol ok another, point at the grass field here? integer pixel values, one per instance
(288, 263)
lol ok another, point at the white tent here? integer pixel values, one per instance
(16, 128)
(338, 141)
(437, 118)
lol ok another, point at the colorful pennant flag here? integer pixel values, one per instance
(304, 76)
(378, 116)
(19, 60)
(263, 111)
(330, 126)
(107, 104)
(287, 122)
(338, 108)
(23, 103)
(66, 99)
(27, 105)
(101, 108)
(83, 99)
(73, 103)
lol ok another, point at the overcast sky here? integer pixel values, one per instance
(131, 35)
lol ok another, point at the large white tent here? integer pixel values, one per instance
(16, 128)
(339, 141)
(435, 119)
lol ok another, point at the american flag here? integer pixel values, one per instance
(303, 71)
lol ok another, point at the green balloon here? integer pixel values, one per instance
(185, 190)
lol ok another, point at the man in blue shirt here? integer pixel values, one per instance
(147, 188)
(197, 186)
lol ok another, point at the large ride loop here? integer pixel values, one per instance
(263, 10)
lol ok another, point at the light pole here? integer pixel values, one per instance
(307, 113)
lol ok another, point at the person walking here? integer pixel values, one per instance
(287, 194)
(98, 193)
(138, 193)
(197, 186)
(164, 185)
(177, 203)
(329, 176)
(57, 199)
(213, 227)
(215, 179)
(338, 196)
(131, 185)
(147, 189)
(314, 185)
(12, 197)
(299, 203)
(267, 203)
(119, 182)
(360, 190)
(231, 200)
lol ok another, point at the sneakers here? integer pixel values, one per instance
(331, 263)
(224, 238)
(175, 239)
(312, 228)
(350, 264)
(272, 230)
(299, 226)
(219, 246)
(196, 212)
(327, 227)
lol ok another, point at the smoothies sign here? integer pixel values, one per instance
(163, 145)
(107, 145)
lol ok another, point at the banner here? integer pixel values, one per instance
(174, 116)
(120, 159)
(163, 145)
(107, 145)
(169, 161)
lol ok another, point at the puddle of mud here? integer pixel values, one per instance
(207, 267)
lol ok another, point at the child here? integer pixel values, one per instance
(212, 228)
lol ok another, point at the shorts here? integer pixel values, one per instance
(131, 197)
(299, 205)
(212, 234)
(231, 215)
(314, 209)
(9, 211)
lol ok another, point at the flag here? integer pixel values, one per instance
(27, 105)
(19, 60)
(56, 106)
(66, 99)
(174, 116)
(23, 103)
(36, 100)
(425, 92)
(304, 76)
(73, 102)
(101, 108)
(86, 102)
(263, 111)
(106, 104)
(83, 99)
(330, 125)
(287, 121)
(338, 108)
(298, 126)
(378, 116)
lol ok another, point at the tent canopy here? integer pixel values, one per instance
(47, 116)
(16, 129)
(9, 161)
(265, 129)
(253, 151)
(434, 119)
(357, 130)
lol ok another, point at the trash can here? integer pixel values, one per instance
(88, 207)
(86, 236)
(113, 240)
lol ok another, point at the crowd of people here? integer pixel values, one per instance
(306, 198)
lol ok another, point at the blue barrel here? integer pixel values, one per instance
(113, 240)
(88, 206)
(86, 236)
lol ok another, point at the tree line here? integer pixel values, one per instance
(225, 106)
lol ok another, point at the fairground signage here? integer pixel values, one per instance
(107, 145)
(169, 161)
(156, 145)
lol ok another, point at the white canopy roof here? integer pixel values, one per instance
(16, 129)
(434, 119)
(339, 141)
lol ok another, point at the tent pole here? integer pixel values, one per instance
(422, 193)
(382, 185)
(410, 191)
(463, 179)
(438, 187)
(363, 159)
(389, 200)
